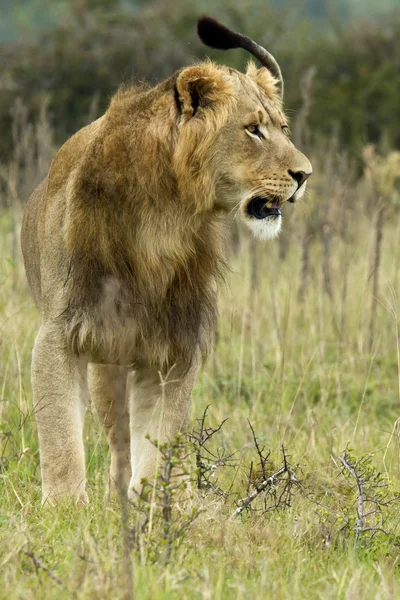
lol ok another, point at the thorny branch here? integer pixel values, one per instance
(156, 505)
(373, 494)
(245, 502)
(207, 461)
(270, 483)
(260, 451)
(360, 499)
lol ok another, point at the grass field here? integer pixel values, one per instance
(308, 352)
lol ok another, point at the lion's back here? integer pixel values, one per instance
(40, 226)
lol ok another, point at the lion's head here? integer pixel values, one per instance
(212, 138)
(232, 145)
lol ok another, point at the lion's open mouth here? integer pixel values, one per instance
(261, 208)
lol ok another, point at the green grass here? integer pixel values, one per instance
(301, 370)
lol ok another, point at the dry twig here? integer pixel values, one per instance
(360, 498)
(373, 495)
(39, 565)
(269, 484)
(207, 460)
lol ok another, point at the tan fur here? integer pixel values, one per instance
(266, 81)
(124, 246)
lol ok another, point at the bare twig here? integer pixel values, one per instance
(269, 484)
(39, 565)
(375, 270)
(360, 500)
(260, 451)
(305, 91)
(326, 234)
(305, 262)
(374, 495)
(207, 461)
(156, 513)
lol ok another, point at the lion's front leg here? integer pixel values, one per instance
(58, 383)
(159, 408)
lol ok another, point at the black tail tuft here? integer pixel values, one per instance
(217, 36)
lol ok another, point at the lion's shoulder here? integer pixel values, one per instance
(72, 154)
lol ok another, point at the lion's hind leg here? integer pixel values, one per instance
(107, 387)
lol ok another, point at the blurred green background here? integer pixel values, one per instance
(308, 346)
(76, 53)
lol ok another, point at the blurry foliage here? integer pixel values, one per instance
(79, 63)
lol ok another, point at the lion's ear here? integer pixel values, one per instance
(201, 87)
(264, 78)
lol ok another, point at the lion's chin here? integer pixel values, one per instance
(265, 229)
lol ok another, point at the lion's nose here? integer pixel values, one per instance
(299, 176)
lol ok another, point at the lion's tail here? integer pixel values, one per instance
(215, 35)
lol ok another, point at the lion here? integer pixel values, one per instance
(123, 245)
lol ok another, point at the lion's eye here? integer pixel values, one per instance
(255, 130)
